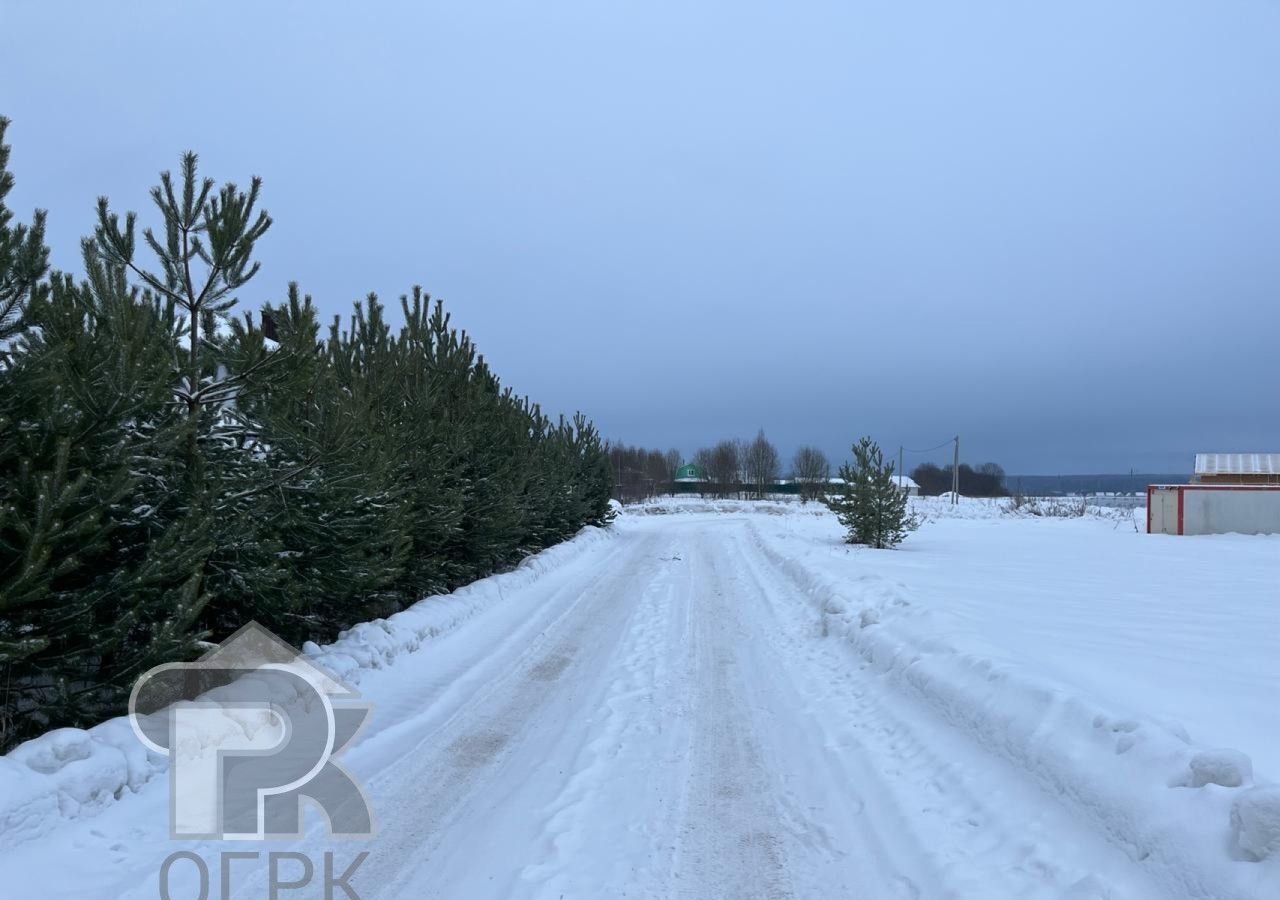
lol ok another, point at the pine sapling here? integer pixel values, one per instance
(872, 506)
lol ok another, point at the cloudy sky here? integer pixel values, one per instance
(1052, 228)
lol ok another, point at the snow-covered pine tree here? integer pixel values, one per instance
(871, 506)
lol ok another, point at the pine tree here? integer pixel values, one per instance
(24, 259)
(206, 254)
(168, 471)
(35, 544)
(88, 510)
(871, 507)
(218, 232)
(329, 512)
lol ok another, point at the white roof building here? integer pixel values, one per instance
(902, 481)
(1255, 467)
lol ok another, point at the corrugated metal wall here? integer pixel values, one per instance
(1196, 509)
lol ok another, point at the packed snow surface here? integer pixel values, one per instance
(713, 700)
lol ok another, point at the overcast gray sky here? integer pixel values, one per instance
(1052, 227)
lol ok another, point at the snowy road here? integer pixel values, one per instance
(666, 717)
(676, 728)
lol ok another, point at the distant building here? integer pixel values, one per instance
(1237, 468)
(1213, 509)
(1229, 492)
(691, 473)
(690, 479)
(902, 481)
(905, 482)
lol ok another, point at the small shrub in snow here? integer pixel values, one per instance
(1255, 819)
(1054, 508)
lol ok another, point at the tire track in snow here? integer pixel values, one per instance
(730, 843)
(934, 786)
(804, 797)
(441, 802)
(608, 831)
(499, 739)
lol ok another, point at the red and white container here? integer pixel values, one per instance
(1213, 508)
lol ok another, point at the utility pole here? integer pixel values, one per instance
(900, 482)
(955, 475)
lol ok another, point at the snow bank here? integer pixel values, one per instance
(926, 509)
(71, 773)
(1255, 823)
(1175, 808)
(930, 509)
(1229, 768)
(666, 506)
(68, 773)
(376, 644)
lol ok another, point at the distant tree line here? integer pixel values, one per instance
(639, 474)
(169, 472)
(744, 469)
(740, 468)
(987, 480)
(732, 468)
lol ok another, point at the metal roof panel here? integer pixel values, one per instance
(1238, 463)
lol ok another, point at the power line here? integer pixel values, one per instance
(955, 464)
(930, 449)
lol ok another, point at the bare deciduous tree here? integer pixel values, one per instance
(639, 473)
(811, 470)
(673, 463)
(725, 468)
(705, 459)
(761, 464)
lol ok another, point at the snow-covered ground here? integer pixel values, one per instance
(723, 700)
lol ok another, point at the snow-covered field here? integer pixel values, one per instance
(723, 700)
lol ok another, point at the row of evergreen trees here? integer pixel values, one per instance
(169, 471)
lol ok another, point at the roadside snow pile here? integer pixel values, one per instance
(926, 509)
(71, 773)
(929, 509)
(376, 644)
(1229, 768)
(1255, 823)
(665, 506)
(1186, 813)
